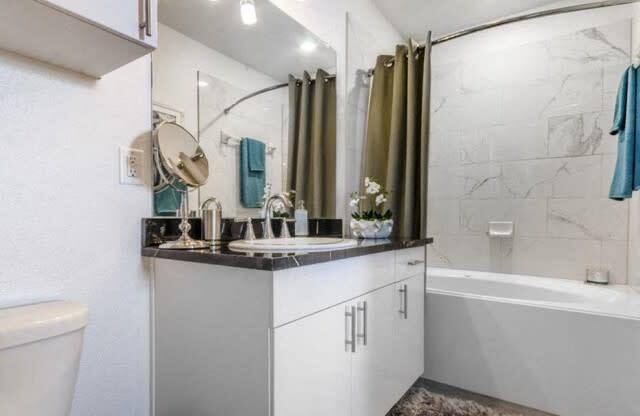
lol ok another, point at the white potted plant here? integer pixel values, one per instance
(369, 220)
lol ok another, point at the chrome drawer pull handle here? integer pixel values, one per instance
(147, 18)
(350, 316)
(403, 301)
(363, 335)
(415, 262)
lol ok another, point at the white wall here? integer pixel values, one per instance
(176, 63)
(70, 231)
(520, 126)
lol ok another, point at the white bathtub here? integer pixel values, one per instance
(556, 345)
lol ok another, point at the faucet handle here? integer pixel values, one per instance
(250, 234)
(284, 230)
(247, 225)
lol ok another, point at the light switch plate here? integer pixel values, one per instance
(131, 166)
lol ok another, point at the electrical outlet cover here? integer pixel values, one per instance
(131, 166)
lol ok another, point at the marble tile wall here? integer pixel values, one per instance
(522, 135)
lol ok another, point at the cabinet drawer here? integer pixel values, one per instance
(305, 290)
(409, 262)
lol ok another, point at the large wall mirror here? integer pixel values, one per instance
(258, 91)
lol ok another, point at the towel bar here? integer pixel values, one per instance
(235, 141)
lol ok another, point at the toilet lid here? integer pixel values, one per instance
(29, 323)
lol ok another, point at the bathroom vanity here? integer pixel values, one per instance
(336, 332)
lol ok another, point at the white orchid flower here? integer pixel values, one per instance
(373, 188)
(278, 206)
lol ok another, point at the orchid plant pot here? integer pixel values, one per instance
(369, 219)
(371, 229)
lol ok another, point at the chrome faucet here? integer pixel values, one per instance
(268, 231)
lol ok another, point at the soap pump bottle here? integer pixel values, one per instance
(302, 220)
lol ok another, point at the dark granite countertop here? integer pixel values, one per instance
(223, 256)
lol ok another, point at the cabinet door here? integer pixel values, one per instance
(122, 16)
(312, 365)
(372, 381)
(408, 333)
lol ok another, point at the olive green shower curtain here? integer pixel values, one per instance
(311, 169)
(397, 141)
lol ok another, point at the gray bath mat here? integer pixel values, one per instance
(420, 402)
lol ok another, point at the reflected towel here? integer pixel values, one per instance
(626, 178)
(166, 201)
(256, 151)
(252, 172)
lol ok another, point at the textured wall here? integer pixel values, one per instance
(521, 134)
(70, 230)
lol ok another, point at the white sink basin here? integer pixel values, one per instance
(292, 244)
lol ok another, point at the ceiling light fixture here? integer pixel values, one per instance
(203, 84)
(248, 12)
(308, 46)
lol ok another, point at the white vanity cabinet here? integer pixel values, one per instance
(91, 37)
(408, 336)
(340, 338)
(312, 370)
(318, 370)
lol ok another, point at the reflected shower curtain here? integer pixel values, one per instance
(311, 169)
(397, 142)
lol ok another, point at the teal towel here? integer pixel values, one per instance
(257, 151)
(252, 173)
(167, 200)
(626, 178)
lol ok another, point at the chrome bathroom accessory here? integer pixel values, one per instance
(350, 320)
(268, 231)
(249, 232)
(179, 158)
(284, 229)
(211, 220)
(404, 300)
(362, 307)
(235, 141)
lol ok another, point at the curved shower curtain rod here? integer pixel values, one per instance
(262, 91)
(520, 18)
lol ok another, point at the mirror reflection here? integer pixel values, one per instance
(179, 153)
(258, 91)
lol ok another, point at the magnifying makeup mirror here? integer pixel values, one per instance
(180, 160)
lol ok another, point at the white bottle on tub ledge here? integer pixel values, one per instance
(302, 220)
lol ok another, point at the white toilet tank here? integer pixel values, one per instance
(40, 349)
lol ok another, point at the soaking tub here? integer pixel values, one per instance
(556, 345)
